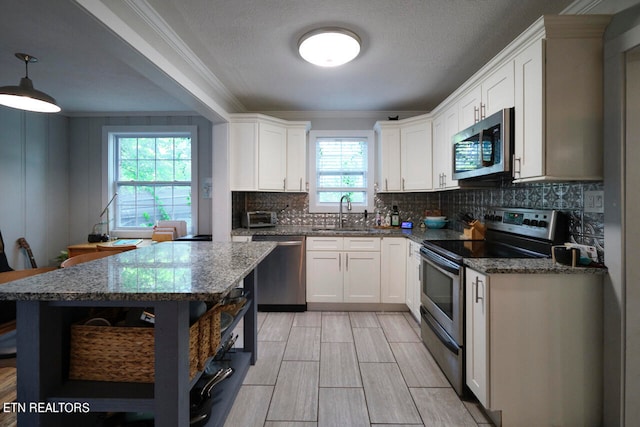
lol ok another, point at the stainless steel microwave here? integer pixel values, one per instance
(484, 149)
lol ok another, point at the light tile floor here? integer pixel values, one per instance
(346, 369)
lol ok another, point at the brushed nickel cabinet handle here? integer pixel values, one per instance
(478, 297)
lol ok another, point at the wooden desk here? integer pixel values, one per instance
(84, 248)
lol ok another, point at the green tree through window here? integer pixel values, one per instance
(153, 179)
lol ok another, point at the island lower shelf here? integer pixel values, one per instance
(104, 396)
(167, 399)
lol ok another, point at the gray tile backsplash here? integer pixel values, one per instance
(568, 197)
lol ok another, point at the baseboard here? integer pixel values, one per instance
(355, 306)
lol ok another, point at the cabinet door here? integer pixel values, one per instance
(362, 244)
(477, 356)
(415, 156)
(498, 90)
(393, 270)
(272, 157)
(361, 276)
(412, 288)
(439, 149)
(528, 160)
(469, 107)
(325, 243)
(324, 276)
(296, 179)
(243, 138)
(445, 126)
(389, 159)
(417, 289)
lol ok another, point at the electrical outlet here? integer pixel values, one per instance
(594, 201)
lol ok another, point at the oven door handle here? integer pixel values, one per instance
(440, 333)
(441, 263)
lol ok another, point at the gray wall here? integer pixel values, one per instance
(87, 165)
(34, 184)
(621, 291)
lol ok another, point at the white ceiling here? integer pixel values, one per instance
(414, 54)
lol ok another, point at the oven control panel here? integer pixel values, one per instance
(536, 223)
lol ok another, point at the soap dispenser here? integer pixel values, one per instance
(395, 217)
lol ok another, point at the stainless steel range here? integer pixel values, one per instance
(510, 233)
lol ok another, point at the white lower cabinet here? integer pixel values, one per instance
(324, 276)
(337, 274)
(361, 277)
(393, 270)
(534, 346)
(476, 298)
(412, 288)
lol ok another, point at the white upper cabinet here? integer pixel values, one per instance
(267, 154)
(415, 156)
(404, 155)
(296, 177)
(559, 102)
(272, 157)
(445, 126)
(498, 90)
(243, 155)
(389, 175)
(494, 93)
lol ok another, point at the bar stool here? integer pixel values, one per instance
(7, 320)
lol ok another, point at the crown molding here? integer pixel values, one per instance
(159, 26)
(580, 7)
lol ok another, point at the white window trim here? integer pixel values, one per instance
(108, 174)
(334, 208)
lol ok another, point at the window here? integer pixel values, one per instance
(152, 170)
(341, 163)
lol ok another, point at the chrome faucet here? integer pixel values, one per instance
(340, 220)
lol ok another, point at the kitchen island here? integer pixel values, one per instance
(165, 277)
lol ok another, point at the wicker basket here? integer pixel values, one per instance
(127, 354)
(234, 308)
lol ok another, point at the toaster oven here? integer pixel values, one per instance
(257, 219)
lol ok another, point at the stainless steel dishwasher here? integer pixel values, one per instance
(282, 275)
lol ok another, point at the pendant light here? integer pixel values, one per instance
(329, 47)
(24, 96)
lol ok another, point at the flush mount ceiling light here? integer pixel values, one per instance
(329, 47)
(24, 96)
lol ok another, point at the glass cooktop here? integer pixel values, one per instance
(458, 249)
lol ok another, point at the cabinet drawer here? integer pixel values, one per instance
(325, 243)
(362, 244)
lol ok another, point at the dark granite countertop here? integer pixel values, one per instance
(168, 271)
(415, 234)
(482, 265)
(526, 266)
